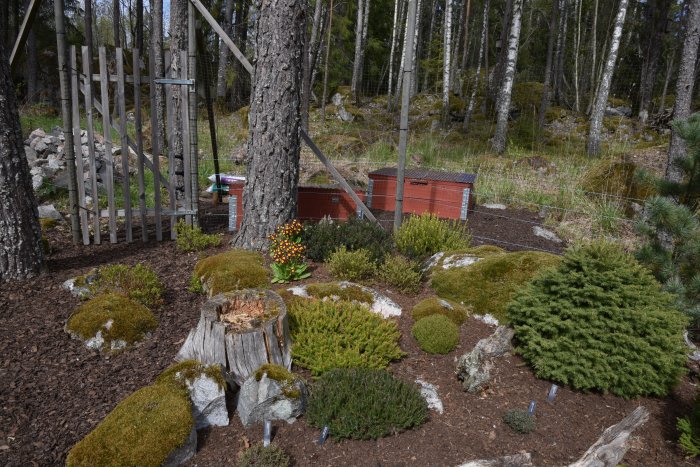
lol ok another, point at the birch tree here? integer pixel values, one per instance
(394, 30)
(482, 47)
(446, 57)
(504, 96)
(358, 48)
(601, 100)
(684, 88)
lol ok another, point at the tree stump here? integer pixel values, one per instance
(240, 331)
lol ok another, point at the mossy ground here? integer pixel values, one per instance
(130, 320)
(351, 293)
(488, 285)
(436, 306)
(142, 430)
(138, 282)
(232, 270)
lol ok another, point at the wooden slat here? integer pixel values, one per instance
(185, 351)
(155, 143)
(171, 158)
(121, 108)
(231, 357)
(218, 349)
(75, 102)
(89, 100)
(129, 79)
(138, 123)
(31, 12)
(287, 351)
(273, 345)
(107, 127)
(186, 147)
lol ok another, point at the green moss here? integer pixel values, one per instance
(351, 293)
(188, 370)
(130, 320)
(283, 376)
(47, 224)
(488, 285)
(138, 283)
(142, 430)
(483, 251)
(436, 306)
(436, 334)
(232, 270)
(527, 95)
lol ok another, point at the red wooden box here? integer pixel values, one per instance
(449, 195)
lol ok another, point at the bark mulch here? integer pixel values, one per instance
(54, 391)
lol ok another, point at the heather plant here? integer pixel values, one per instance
(402, 273)
(427, 234)
(351, 265)
(191, 238)
(260, 456)
(436, 334)
(139, 283)
(323, 238)
(361, 403)
(288, 252)
(600, 321)
(520, 421)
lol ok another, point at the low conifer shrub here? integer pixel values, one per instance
(323, 238)
(361, 403)
(436, 334)
(427, 234)
(599, 321)
(331, 335)
(260, 456)
(520, 421)
(402, 273)
(437, 306)
(351, 265)
(689, 431)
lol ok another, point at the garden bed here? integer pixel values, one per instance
(54, 391)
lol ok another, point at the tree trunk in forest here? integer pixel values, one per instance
(325, 64)
(310, 63)
(31, 66)
(655, 18)
(669, 70)
(465, 45)
(5, 22)
(429, 45)
(354, 83)
(594, 57)
(402, 65)
(503, 103)
(139, 25)
(454, 68)
(394, 29)
(223, 54)
(560, 54)
(497, 75)
(363, 53)
(446, 60)
(482, 48)
(416, 50)
(272, 175)
(116, 22)
(601, 100)
(241, 84)
(547, 86)
(178, 43)
(21, 255)
(684, 88)
(156, 54)
(577, 48)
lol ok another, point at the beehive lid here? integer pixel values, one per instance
(424, 174)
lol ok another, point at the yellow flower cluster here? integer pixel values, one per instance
(287, 252)
(290, 229)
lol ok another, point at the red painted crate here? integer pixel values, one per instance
(449, 195)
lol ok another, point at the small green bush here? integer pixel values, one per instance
(436, 334)
(600, 321)
(130, 320)
(333, 290)
(260, 456)
(142, 430)
(323, 238)
(361, 403)
(437, 306)
(427, 234)
(520, 421)
(191, 238)
(229, 271)
(331, 335)
(689, 431)
(489, 284)
(138, 283)
(351, 265)
(402, 273)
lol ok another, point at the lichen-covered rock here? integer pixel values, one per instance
(272, 393)
(429, 393)
(474, 367)
(522, 459)
(349, 291)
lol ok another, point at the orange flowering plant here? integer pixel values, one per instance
(288, 253)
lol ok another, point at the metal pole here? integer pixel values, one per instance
(405, 103)
(64, 76)
(192, 98)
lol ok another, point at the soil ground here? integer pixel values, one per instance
(54, 391)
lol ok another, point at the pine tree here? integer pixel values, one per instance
(687, 190)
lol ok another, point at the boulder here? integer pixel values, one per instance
(264, 398)
(49, 211)
(208, 398)
(499, 206)
(546, 234)
(30, 154)
(429, 393)
(522, 459)
(474, 367)
(381, 304)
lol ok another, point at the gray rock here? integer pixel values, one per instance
(546, 234)
(266, 400)
(184, 452)
(49, 211)
(344, 115)
(459, 261)
(619, 111)
(494, 206)
(429, 393)
(38, 133)
(337, 99)
(38, 145)
(381, 304)
(474, 367)
(30, 154)
(37, 182)
(522, 459)
(432, 261)
(208, 402)
(54, 164)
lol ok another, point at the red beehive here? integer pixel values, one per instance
(318, 201)
(448, 195)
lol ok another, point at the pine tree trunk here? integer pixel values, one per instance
(156, 47)
(482, 48)
(503, 104)
(358, 49)
(241, 85)
(446, 58)
(309, 64)
(116, 23)
(21, 255)
(272, 174)
(325, 63)
(178, 43)
(656, 17)
(394, 29)
(601, 100)
(224, 53)
(684, 88)
(547, 86)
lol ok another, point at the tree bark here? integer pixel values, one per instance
(482, 48)
(547, 86)
(21, 255)
(178, 43)
(139, 25)
(365, 28)
(272, 176)
(223, 53)
(416, 50)
(156, 54)
(558, 74)
(429, 45)
(446, 59)
(241, 85)
(394, 29)
(577, 48)
(325, 64)
(684, 88)
(497, 75)
(503, 103)
(116, 22)
(594, 58)
(358, 49)
(601, 100)
(655, 18)
(309, 64)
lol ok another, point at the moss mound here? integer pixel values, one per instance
(349, 293)
(331, 335)
(188, 370)
(360, 403)
(233, 270)
(142, 430)
(139, 283)
(600, 321)
(489, 284)
(436, 334)
(115, 316)
(436, 306)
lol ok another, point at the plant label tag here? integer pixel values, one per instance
(267, 433)
(552, 393)
(531, 409)
(324, 435)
